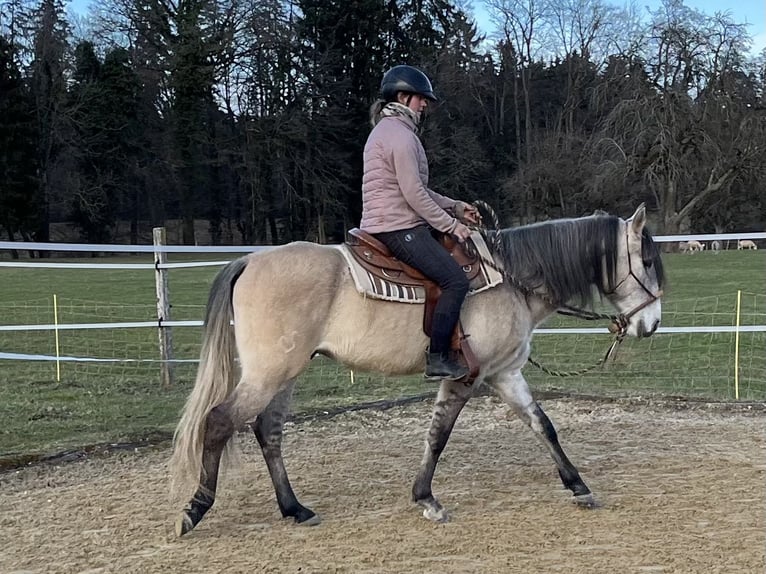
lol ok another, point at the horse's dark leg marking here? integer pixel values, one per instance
(513, 389)
(218, 430)
(570, 477)
(268, 431)
(220, 424)
(449, 402)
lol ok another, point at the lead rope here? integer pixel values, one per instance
(618, 323)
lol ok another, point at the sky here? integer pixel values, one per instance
(752, 12)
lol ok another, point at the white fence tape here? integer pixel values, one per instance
(105, 248)
(81, 326)
(569, 331)
(25, 357)
(47, 265)
(558, 331)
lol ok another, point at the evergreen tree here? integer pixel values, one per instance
(103, 107)
(18, 165)
(48, 85)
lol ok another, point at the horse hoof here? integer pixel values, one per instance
(435, 515)
(585, 501)
(312, 520)
(184, 524)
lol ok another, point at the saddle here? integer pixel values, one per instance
(378, 260)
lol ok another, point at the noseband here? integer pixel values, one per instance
(619, 324)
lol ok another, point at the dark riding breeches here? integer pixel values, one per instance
(418, 248)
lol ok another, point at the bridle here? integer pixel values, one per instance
(618, 324)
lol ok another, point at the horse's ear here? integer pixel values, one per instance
(638, 219)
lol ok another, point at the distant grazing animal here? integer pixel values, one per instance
(694, 245)
(715, 247)
(746, 244)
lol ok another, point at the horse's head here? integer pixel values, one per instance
(639, 277)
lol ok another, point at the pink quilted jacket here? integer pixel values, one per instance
(395, 192)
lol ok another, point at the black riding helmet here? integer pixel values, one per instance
(406, 79)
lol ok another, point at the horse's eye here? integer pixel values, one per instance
(648, 263)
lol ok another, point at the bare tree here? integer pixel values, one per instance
(517, 22)
(579, 36)
(685, 140)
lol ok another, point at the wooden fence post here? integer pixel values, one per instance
(163, 307)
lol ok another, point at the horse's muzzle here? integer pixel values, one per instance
(641, 332)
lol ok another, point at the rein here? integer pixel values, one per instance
(618, 325)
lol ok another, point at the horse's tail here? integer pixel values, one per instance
(215, 380)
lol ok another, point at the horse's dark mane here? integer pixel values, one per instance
(567, 257)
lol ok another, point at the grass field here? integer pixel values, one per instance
(122, 401)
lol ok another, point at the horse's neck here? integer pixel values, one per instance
(540, 306)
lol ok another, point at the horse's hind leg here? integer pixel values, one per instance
(248, 399)
(513, 389)
(268, 431)
(449, 402)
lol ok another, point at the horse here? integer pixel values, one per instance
(746, 244)
(715, 246)
(293, 302)
(694, 245)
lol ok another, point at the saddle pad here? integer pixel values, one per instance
(377, 288)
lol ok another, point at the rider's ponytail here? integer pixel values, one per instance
(375, 111)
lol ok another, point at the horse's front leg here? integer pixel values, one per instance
(449, 402)
(514, 390)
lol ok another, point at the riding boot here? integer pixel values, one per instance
(441, 366)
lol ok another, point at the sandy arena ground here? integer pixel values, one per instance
(682, 488)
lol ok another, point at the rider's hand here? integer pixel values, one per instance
(467, 213)
(461, 232)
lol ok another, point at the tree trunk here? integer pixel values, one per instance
(187, 229)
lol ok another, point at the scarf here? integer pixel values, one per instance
(397, 109)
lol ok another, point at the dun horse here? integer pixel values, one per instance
(293, 302)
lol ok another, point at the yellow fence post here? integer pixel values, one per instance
(56, 331)
(736, 347)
